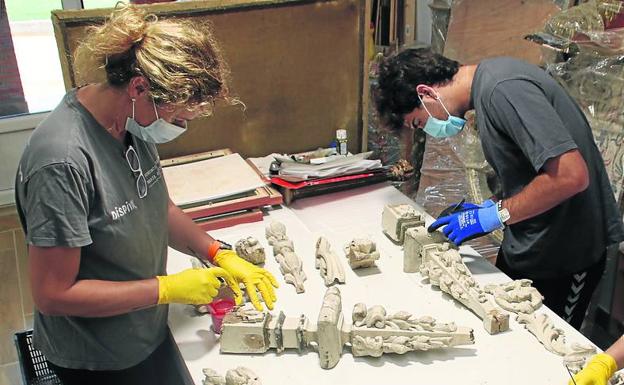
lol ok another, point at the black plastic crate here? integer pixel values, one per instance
(33, 364)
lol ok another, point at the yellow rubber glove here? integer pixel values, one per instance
(253, 277)
(597, 372)
(194, 286)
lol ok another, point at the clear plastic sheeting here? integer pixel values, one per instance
(392, 145)
(454, 169)
(584, 17)
(590, 65)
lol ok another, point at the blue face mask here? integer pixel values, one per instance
(159, 131)
(442, 128)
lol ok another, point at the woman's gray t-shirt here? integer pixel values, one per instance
(75, 188)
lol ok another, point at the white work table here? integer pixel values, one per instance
(512, 357)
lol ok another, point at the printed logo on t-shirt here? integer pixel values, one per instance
(153, 175)
(126, 208)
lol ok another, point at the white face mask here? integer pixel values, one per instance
(159, 131)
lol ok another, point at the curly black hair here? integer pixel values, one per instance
(395, 93)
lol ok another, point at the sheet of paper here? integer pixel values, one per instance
(210, 179)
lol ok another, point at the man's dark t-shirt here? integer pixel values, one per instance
(526, 118)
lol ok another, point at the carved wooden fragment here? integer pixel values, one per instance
(238, 376)
(329, 329)
(617, 379)
(553, 339)
(290, 264)
(241, 376)
(516, 296)
(361, 253)
(396, 219)
(416, 238)
(212, 377)
(445, 269)
(250, 250)
(373, 332)
(328, 263)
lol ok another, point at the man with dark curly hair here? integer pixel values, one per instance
(557, 207)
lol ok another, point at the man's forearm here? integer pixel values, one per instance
(537, 197)
(185, 236)
(96, 298)
(562, 178)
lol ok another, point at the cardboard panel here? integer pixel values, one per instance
(297, 65)
(409, 22)
(479, 29)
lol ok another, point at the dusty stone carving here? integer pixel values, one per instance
(375, 317)
(329, 329)
(416, 238)
(361, 252)
(241, 376)
(617, 379)
(372, 333)
(250, 250)
(396, 219)
(212, 377)
(290, 264)
(248, 313)
(516, 296)
(445, 269)
(238, 376)
(328, 263)
(575, 355)
(553, 339)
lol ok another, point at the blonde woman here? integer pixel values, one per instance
(97, 215)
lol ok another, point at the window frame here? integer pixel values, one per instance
(27, 121)
(11, 123)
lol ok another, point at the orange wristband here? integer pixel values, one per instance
(213, 249)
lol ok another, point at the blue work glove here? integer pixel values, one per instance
(469, 223)
(457, 207)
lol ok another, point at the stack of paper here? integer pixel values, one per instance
(210, 179)
(342, 165)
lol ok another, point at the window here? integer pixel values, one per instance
(31, 80)
(88, 4)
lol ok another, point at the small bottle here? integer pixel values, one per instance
(341, 142)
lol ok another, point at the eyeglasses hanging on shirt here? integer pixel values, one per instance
(135, 165)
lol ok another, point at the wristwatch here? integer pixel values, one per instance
(503, 213)
(217, 246)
